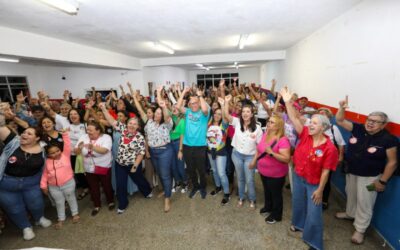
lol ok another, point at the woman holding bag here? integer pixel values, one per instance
(95, 147)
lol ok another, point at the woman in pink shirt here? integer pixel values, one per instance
(58, 179)
(273, 160)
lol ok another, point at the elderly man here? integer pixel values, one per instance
(371, 158)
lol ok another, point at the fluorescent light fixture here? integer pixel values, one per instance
(235, 63)
(207, 68)
(62, 5)
(243, 40)
(237, 66)
(164, 48)
(199, 65)
(5, 59)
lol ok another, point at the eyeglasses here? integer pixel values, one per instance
(374, 121)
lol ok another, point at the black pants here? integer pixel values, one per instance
(327, 189)
(273, 200)
(195, 159)
(230, 168)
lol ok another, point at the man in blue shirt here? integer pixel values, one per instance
(194, 140)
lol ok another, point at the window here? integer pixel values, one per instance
(213, 79)
(11, 86)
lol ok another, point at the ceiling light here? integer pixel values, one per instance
(237, 66)
(163, 47)
(13, 60)
(207, 68)
(235, 63)
(199, 65)
(243, 40)
(62, 5)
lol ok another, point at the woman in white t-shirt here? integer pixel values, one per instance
(244, 155)
(95, 147)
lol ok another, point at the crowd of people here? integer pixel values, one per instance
(71, 148)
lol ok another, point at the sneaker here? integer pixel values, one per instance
(184, 189)
(120, 211)
(343, 216)
(173, 190)
(226, 199)
(149, 195)
(270, 220)
(193, 192)
(216, 191)
(43, 222)
(95, 211)
(203, 193)
(111, 206)
(28, 233)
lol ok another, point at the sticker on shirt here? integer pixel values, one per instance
(371, 150)
(353, 140)
(319, 153)
(12, 159)
(253, 136)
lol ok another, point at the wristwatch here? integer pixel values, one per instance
(382, 182)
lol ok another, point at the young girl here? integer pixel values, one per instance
(58, 179)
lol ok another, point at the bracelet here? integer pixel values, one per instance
(382, 182)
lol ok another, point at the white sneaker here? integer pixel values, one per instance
(120, 211)
(28, 233)
(184, 189)
(43, 222)
(173, 190)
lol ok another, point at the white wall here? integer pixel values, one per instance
(160, 75)
(248, 75)
(355, 54)
(271, 70)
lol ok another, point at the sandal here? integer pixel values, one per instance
(240, 203)
(75, 219)
(82, 195)
(294, 232)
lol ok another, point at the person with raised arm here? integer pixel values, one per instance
(371, 159)
(21, 163)
(128, 161)
(314, 157)
(264, 106)
(244, 155)
(194, 140)
(157, 132)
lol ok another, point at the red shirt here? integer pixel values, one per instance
(115, 114)
(310, 161)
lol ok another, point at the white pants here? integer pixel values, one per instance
(360, 201)
(60, 194)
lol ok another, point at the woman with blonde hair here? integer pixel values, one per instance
(273, 160)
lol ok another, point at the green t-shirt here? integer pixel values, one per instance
(179, 128)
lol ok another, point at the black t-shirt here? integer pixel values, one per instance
(366, 154)
(54, 141)
(21, 163)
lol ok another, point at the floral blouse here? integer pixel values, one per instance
(158, 134)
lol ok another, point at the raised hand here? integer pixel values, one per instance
(273, 82)
(199, 92)
(162, 104)
(20, 97)
(102, 105)
(228, 98)
(345, 103)
(186, 89)
(286, 94)
(90, 104)
(159, 88)
(221, 101)
(129, 84)
(222, 83)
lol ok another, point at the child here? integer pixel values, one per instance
(58, 179)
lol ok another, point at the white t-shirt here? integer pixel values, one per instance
(61, 122)
(75, 133)
(245, 142)
(338, 136)
(90, 159)
(261, 112)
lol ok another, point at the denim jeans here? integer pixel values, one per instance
(64, 193)
(245, 175)
(219, 172)
(19, 193)
(161, 159)
(306, 216)
(121, 177)
(178, 166)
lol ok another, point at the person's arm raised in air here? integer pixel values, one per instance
(203, 104)
(179, 105)
(107, 115)
(287, 98)
(343, 105)
(163, 105)
(225, 110)
(273, 87)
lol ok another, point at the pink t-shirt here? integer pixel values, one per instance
(269, 166)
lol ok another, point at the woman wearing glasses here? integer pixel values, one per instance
(371, 158)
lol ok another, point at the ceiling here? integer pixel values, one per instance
(191, 27)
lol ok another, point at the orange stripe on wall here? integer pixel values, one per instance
(392, 127)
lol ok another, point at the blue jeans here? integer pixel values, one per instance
(219, 171)
(121, 177)
(245, 175)
(178, 166)
(19, 193)
(306, 216)
(161, 159)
